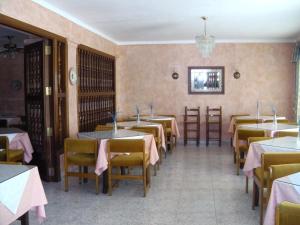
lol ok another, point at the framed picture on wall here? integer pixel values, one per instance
(206, 80)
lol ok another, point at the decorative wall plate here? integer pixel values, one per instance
(73, 76)
(16, 85)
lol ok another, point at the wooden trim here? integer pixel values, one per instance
(84, 47)
(26, 27)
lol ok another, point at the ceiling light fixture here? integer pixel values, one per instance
(205, 43)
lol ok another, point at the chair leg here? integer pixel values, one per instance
(145, 181)
(80, 178)
(261, 206)
(97, 184)
(148, 177)
(109, 181)
(238, 164)
(253, 194)
(66, 181)
(247, 184)
(154, 167)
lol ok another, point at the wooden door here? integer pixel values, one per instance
(38, 88)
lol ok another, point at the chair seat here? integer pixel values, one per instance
(82, 159)
(257, 173)
(14, 155)
(134, 159)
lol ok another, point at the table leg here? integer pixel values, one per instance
(25, 219)
(85, 170)
(105, 182)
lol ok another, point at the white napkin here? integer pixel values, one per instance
(11, 191)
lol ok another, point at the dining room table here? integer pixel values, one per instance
(270, 129)
(283, 189)
(21, 191)
(131, 124)
(262, 118)
(18, 139)
(104, 136)
(282, 144)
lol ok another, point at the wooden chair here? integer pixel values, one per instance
(241, 149)
(81, 153)
(261, 174)
(191, 124)
(287, 213)
(10, 155)
(155, 132)
(103, 127)
(239, 122)
(277, 171)
(233, 116)
(214, 124)
(286, 134)
(278, 121)
(174, 116)
(167, 126)
(137, 158)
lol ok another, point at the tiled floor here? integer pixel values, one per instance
(195, 186)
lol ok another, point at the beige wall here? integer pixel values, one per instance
(144, 72)
(32, 13)
(266, 71)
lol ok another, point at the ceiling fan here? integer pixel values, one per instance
(9, 49)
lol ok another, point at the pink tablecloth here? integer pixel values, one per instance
(33, 198)
(174, 126)
(282, 190)
(22, 141)
(102, 163)
(283, 144)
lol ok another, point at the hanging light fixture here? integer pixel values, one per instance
(205, 43)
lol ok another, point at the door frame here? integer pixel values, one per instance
(20, 25)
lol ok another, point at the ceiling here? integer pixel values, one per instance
(178, 21)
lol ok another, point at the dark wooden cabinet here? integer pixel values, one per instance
(96, 89)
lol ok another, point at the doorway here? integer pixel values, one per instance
(38, 92)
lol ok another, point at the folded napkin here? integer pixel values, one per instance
(11, 191)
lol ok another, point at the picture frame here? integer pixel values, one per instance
(206, 80)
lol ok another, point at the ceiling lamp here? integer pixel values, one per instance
(10, 49)
(205, 43)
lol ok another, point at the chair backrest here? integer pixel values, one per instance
(10, 163)
(244, 134)
(103, 127)
(164, 123)
(287, 213)
(236, 115)
(247, 121)
(4, 142)
(125, 145)
(154, 130)
(73, 145)
(255, 139)
(277, 158)
(168, 115)
(286, 133)
(278, 121)
(214, 111)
